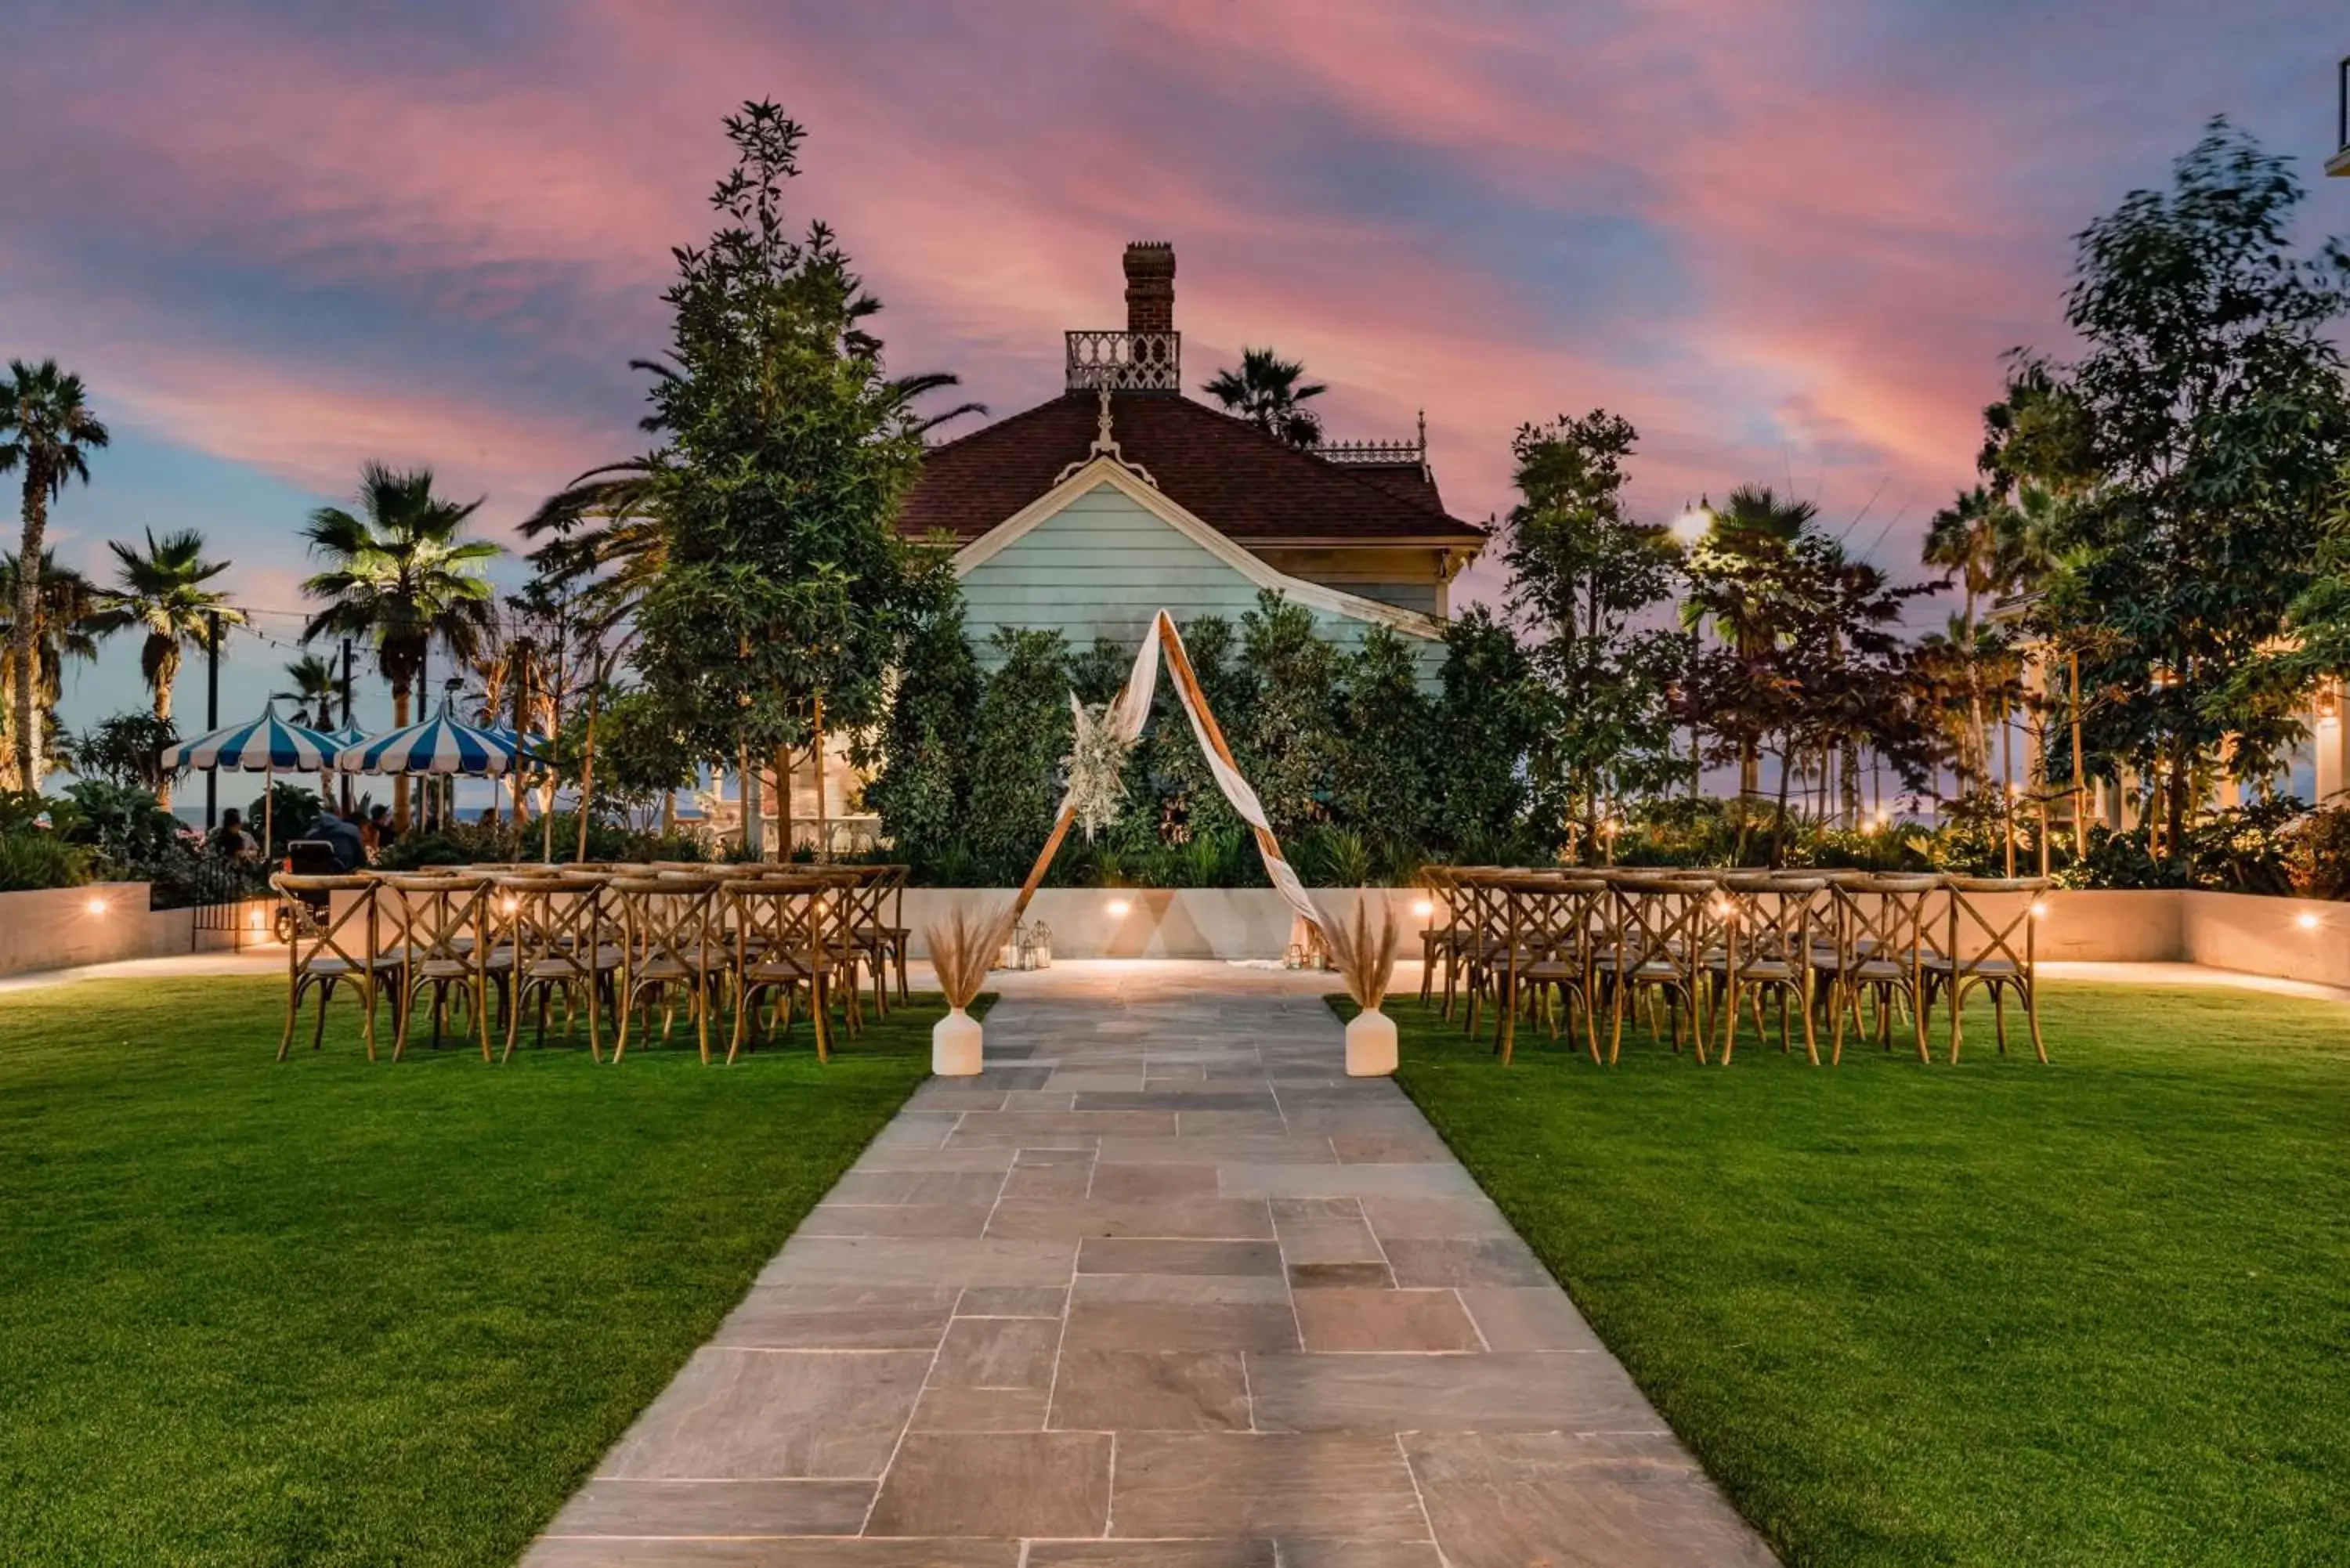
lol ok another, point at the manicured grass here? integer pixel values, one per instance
(2092, 1313)
(324, 1311)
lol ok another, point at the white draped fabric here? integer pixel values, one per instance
(1134, 711)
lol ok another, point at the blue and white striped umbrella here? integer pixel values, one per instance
(440, 744)
(266, 744)
(532, 746)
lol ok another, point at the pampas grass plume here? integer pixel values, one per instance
(964, 946)
(1365, 957)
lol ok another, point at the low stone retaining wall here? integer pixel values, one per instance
(2295, 938)
(57, 928)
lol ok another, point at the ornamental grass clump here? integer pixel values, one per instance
(1364, 957)
(963, 947)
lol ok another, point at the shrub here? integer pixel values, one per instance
(33, 858)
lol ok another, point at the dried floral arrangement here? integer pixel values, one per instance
(1364, 956)
(963, 947)
(1096, 765)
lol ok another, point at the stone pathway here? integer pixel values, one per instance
(1162, 1288)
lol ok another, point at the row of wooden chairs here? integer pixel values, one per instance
(1822, 945)
(614, 940)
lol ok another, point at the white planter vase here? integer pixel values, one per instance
(954, 1045)
(1370, 1045)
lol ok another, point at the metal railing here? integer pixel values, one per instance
(1386, 452)
(1125, 361)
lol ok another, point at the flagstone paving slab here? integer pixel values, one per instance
(1162, 1289)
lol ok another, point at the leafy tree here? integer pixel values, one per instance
(1582, 577)
(2209, 409)
(1488, 715)
(1022, 733)
(1287, 739)
(1380, 762)
(783, 584)
(401, 575)
(160, 591)
(64, 626)
(46, 428)
(924, 783)
(1270, 393)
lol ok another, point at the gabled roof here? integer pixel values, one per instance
(1121, 476)
(1227, 473)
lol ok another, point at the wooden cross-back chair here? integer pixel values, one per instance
(1551, 919)
(1992, 949)
(671, 948)
(1438, 938)
(786, 934)
(444, 928)
(326, 946)
(1767, 952)
(1482, 943)
(1885, 936)
(879, 931)
(561, 943)
(1660, 930)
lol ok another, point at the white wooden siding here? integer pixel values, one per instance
(1100, 566)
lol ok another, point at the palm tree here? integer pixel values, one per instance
(45, 428)
(1265, 392)
(162, 590)
(1741, 587)
(1994, 544)
(64, 626)
(401, 573)
(316, 688)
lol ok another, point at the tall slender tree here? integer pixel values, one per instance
(401, 575)
(784, 589)
(1583, 576)
(47, 430)
(161, 590)
(64, 626)
(1271, 393)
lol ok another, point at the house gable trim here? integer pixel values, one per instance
(1108, 471)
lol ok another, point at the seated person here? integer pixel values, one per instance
(230, 841)
(350, 851)
(385, 832)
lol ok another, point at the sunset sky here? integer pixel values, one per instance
(1790, 239)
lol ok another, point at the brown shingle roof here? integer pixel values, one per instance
(1239, 480)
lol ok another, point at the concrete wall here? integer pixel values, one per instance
(1157, 922)
(2257, 935)
(60, 926)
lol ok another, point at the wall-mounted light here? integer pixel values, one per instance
(1423, 909)
(93, 907)
(2039, 910)
(2306, 919)
(1118, 908)
(509, 904)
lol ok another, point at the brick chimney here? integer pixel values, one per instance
(1150, 286)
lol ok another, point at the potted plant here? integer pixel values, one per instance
(962, 949)
(1366, 957)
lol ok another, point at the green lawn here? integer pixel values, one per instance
(326, 1312)
(2000, 1314)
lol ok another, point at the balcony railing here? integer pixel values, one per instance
(1126, 361)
